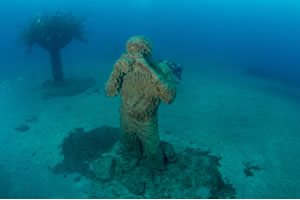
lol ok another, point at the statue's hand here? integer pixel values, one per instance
(146, 68)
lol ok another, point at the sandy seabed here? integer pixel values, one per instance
(252, 123)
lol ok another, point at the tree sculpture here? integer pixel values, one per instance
(52, 33)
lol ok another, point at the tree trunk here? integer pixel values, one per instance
(56, 65)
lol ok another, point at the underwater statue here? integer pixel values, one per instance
(52, 33)
(142, 84)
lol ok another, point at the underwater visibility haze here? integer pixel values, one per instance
(150, 99)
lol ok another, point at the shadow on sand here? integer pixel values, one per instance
(67, 88)
(81, 147)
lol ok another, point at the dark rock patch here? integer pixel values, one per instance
(272, 74)
(80, 148)
(22, 128)
(67, 88)
(251, 168)
(287, 94)
(31, 119)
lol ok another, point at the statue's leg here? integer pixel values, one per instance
(149, 136)
(129, 139)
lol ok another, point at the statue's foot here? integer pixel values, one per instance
(130, 152)
(168, 151)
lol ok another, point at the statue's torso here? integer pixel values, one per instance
(139, 95)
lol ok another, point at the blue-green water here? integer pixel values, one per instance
(239, 96)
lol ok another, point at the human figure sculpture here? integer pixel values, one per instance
(142, 84)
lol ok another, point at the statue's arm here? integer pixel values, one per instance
(114, 84)
(166, 89)
(166, 83)
(166, 72)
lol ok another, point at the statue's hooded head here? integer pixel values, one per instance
(139, 44)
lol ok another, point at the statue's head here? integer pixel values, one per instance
(139, 44)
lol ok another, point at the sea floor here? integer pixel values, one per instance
(252, 123)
